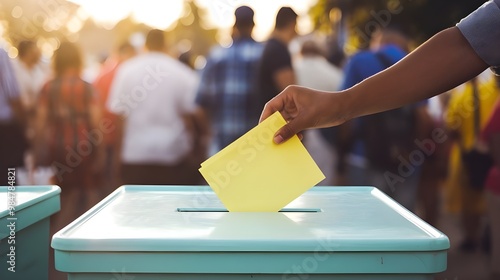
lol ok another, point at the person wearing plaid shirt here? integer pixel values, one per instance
(226, 92)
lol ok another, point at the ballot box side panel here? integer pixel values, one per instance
(319, 262)
(31, 254)
(154, 276)
(24, 234)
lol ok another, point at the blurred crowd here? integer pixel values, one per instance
(149, 118)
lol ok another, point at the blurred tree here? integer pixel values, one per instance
(52, 21)
(191, 34)
(126, 27)
(419, 18)
(187, 34)
(30, 19)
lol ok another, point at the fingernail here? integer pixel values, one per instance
(278, 139)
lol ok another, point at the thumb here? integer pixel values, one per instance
(286, 132)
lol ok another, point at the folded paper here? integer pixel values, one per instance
(253, 174)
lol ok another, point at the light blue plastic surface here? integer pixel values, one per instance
(138, 229)
(34, 206)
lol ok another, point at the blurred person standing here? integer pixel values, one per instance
(154, 94)
(275, 68)
(314, 71)
(188, 59)
(226, 92)
(13, 143)
(66, 138)
(67, 121)
(468, 111)
(491, 136)
(111, 140)
(381, 142)
(30, 74)
(435, 167)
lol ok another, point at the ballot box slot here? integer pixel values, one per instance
(285, 210)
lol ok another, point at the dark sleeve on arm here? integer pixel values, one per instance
(482, 30)
(280, 59)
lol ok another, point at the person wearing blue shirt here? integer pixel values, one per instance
(458, 53)
(359, 67)
(226, 92)
(366, 64)
(450, 58)
(363, 165)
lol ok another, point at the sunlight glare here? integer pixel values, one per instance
(161, 14)
(157, 14)
(221, 13)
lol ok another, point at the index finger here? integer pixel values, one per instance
(273, 105)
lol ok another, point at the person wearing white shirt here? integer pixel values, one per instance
(314, 71)
(30, 74)
(154, 93)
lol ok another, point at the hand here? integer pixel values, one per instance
(305, 108)
(99, 162)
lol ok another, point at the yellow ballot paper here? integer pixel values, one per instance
(253, 174)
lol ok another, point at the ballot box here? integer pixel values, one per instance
(24, 230)
(184, 232)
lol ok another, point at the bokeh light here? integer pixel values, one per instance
(17, 12)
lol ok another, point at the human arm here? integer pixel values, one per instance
(443, 62)
(197, 101)
(284, 77)
(198, 125)
(41, 128)
(95, 119)
(278, 62)
(18, 110)
(116, 102)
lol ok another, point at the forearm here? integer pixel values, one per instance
(120, 132)
(284, 78)
(443, 62)
(19, 112)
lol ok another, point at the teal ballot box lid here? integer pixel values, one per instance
(183, 229)
(27, 205)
